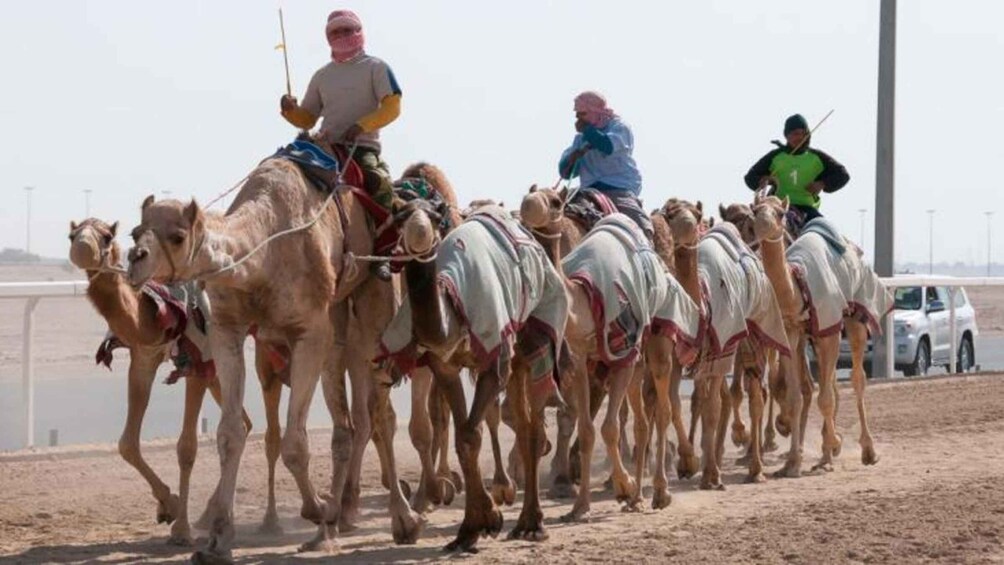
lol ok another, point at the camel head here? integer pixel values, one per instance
(686, 221)
(768, 217)
(166, 241)
(92, 244)
(741, 216)
(542, 207)
(419, 224)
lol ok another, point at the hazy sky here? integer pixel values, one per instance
(130, 98)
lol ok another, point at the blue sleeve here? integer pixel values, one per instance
(565, 169)
(598, 140)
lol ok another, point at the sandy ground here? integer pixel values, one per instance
(937, 495)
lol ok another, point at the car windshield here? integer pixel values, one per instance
(908, 298)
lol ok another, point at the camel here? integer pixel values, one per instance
(511, 341)
(294, 290)
(617, 282)
(822, 287)
(737, 300)
(132, 317)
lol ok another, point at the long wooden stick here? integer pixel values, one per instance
(285, 53)
(812, 131)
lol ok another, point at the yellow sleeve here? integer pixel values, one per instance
(300, 118)
(389, 110)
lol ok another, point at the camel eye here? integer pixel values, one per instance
(177, 238)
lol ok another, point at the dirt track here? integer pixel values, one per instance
(936, 495)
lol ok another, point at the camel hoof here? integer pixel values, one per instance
(717, 485)
(756, 478)
(206, 557)
(319, 543)
(458, 481)
(270, 526)
(407, 528)
(530, 533)
(661, 499)
(562, 488)
(503, 493)
(686, 466)
(868, 456)
(789, 471)
(474, 527)
(634, 505)
(825, 466)
(312, 512)
(347, 524)
(769, 446)
(405, 488)
(180, 539)
(740, 437)
(448, 490)
(624, 491)
(781, 425)
(840, 444)
(577, 515)
(166, 513)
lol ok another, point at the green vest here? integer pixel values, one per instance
(794, 173)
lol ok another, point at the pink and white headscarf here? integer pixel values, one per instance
(345, 47)
(595, 107)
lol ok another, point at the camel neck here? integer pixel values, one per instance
(685, 260)
(425, 299)
(775, 263)
(117, 303)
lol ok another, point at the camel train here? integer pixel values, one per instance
(558, 304)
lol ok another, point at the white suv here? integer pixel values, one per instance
(923, 332)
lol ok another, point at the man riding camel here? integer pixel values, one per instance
(798, 172)
(355, 95)
(601, 156)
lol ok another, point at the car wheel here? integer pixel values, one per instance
(921, 362)
(966, 359)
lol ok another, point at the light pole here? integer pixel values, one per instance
(930, 242)
(27, 230)
(989, 256)
(862, 211)
(87, 202)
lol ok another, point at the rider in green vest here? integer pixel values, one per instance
(797, 171)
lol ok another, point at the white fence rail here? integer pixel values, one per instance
(32, 292)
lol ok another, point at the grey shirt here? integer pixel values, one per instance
(342, 93)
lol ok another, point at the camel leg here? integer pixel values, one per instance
(342, 434)
(756, 400)
(827, 349)
(561, 480)
(231, 435)
(857, 336)
(686, 465)
(596, 394)
(503, 487)
(805, 380)
(406, 524)
(528, 412)
(775, 392)
(429, 489)
(658, 358)
(205, 521)
(439, 410)
(481, 516)
(188, 447)
(624, 485)
(362, 423)
(586, 438)
(740, 437)
(636, 399)
(725, 412)
(790, 371)
(710, 387)
(142, 370)
(271, 388)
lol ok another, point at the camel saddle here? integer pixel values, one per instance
(588, 206)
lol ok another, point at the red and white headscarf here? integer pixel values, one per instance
(595, 107)
(345, 47)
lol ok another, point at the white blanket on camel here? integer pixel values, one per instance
(834, 281)
(497, 279)
(740, 298)
(630, 292)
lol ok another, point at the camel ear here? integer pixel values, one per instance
(533, 188)
(193, 214)
(721, 210)
(563, 194)
(114, 228)
(757, 197)
(711, 222)
(73, 226)
(786, 203)
(501, 204)
(148, 201)
(700, 207)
